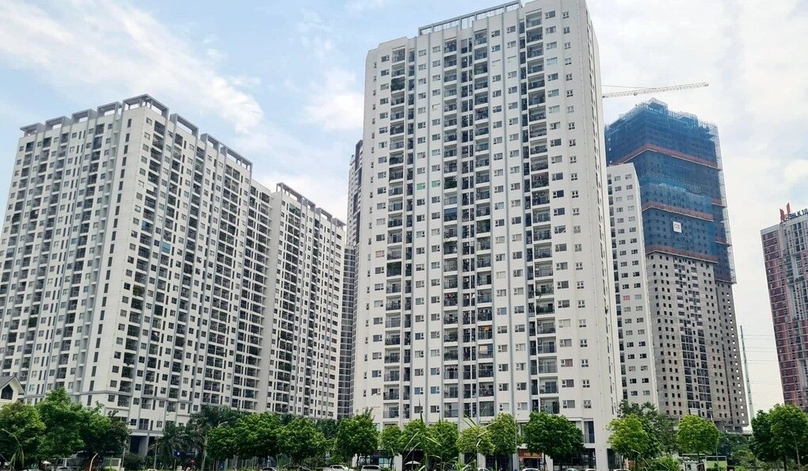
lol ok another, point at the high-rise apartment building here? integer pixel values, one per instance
(350, 301)
(144, 269)
(688, 260)
(634, 321)
(485, 281)
(306, 260)
(786, 258)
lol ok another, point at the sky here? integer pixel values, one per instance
(281, 83)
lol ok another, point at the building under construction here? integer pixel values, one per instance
(688, 252)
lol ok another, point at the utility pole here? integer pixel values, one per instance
(748, 381)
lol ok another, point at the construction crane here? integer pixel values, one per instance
(642, 90)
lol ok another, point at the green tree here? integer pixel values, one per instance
(474, 439)
(443, 437)
(174, 438)
(658, 424)
(63, 421)
(789, 430)
(300, 439)
(21, 432)
(105, 434)
(630, 439)
(762, 442)
(504, 435)
(696, 436)
(667, 463)
(415, 436)
(222, 443)
(257, 435)
(554, 436)
(732, 445)
(356, 435)
(207, 419)
(390, 440)
(133, 462)
(328, 427)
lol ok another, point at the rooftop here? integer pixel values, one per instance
(465, 21)
(141, 101)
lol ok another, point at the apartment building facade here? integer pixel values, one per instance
(688, 252)
(350, 298)
(484, 267)
(136, 258)
(786, 259)
(634, 321)
(304, 347)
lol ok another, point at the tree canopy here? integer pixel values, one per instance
(60, 415)
(300, 439)
(58, 427)
(696, 436)
(630, 439)
(789, 431)
(21, 431)
(475, 439)
(390, 440)
(356, 435)
(443, 437)
(553, 435)
(657, 424)
(504, 434)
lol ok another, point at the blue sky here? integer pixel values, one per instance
(281, 83)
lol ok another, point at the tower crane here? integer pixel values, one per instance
(643, 90)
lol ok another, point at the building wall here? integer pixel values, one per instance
(350, 303)
(786, 259)
(634, 320)
(484, 269)
(689, 260)
(135, 260)
(306, 306)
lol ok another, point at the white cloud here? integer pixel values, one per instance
(796, 173)
(321, 48)
(754, 98)
(311, 22)
(113, 45)
(98, 49)
(359, 6)
(336, 103)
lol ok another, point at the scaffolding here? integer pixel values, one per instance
(678, 163)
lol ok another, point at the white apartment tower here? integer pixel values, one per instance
(306, 259)
(138, 262)
(349, 296)
(485, 281)
(635, 321)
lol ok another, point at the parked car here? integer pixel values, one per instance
(371, 467)
(336, 467)
(531, 469)
(269, 468)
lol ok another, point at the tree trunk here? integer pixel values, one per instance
(204, 451)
